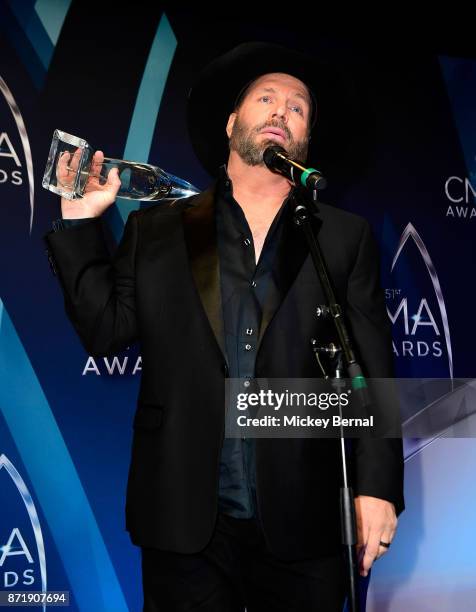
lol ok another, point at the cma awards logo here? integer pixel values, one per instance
(11, 169)
(462, 195)
(22, 551)
(417, 311)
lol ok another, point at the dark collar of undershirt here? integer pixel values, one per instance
(224, 191)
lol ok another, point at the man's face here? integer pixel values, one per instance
(275, 111)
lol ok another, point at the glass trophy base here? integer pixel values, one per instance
(71, 173)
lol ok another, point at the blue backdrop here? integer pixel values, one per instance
(119, 78)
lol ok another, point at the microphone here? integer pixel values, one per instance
(277, 160)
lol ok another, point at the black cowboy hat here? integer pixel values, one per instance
(339, 136)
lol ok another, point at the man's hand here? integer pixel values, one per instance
(376, 521)
(99, 193)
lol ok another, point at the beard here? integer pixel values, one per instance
(243, 141)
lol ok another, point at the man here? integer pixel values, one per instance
(221, 284)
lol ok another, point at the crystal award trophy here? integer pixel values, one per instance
(71, 172)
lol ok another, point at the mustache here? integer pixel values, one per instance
(285, 128)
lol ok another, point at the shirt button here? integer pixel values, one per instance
(246, 383)
(247, 242)
(247, 347)
(253, 283)
(249, 331)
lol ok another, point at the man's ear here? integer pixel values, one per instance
(230, 124)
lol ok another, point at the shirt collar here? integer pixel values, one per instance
(225, 183)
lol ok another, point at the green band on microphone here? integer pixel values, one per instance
(305, 174)
(358, 382)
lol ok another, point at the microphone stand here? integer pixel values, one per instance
(346, 360)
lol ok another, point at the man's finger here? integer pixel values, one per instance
(62, 168)
(387, 537)
(362, 528)
(74, 161)
(96, 165)
(113, 176)
(371, 552)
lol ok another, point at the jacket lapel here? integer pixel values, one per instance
(290, 256)
(200, 237)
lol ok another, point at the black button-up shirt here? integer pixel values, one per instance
(244, 286)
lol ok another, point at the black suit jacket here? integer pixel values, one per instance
(162, 288)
